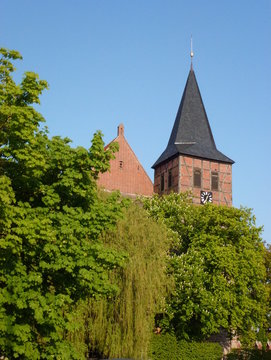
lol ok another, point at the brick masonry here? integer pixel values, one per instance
(126, 173)
(182, 169)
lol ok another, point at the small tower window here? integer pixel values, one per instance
(121, 164)
(169, 179)
(214, 181)
(197, 178)
(162, 182)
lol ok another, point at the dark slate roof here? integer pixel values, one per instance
(191, 134)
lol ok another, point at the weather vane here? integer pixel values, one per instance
(191, 52)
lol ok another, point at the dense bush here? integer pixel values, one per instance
(249, 355)
(199, 351)
(164, 347)
(167, 347)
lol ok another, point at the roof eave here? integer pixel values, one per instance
(210, 158)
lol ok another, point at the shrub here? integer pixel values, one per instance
(164, 347)
(199, 351)
(249, 355)
(167, 347)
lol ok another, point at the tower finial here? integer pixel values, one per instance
(191, 52)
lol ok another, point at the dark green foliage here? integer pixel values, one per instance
(264, 331)
(164, 347)
(248, 354)
(199, 351)
(218, 266)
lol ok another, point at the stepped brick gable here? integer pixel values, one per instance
(191, 160)
(126, 173)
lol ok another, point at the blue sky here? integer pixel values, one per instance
(113, 61)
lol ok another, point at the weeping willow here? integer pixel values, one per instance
(122, 326)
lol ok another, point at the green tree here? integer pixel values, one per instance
(218, 267)
(265, 331)
(122, 325)
(51, 220)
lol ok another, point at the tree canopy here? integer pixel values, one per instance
(51, 219)
(122, 326)
(218, 266)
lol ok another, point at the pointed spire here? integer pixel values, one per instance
(191, 134)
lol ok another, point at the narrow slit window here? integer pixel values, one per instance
(197, 178)
(162, 183)
(214, 181)
(169, 178)
(121, 164)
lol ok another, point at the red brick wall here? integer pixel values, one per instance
(184, 166)
(126, 173)
(172, 165)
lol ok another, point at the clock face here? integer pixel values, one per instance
(205, 197)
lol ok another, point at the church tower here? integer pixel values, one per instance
(191, 160)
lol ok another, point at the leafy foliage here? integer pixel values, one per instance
(199, 350)
(78, 275)
(218, 267)
(51, 220)
(248, 354)
(164, 347)
(268, 286)
(167, 347)
(122, 325)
